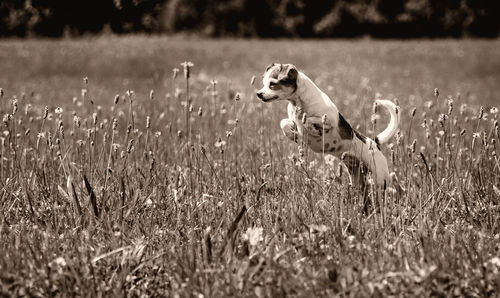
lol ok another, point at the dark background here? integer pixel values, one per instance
(253, 18)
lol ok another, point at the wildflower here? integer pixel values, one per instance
(115, 123)
(27, 132)
(6, 118)
(219, 143)
(413, 146)
(450, 105)
(187, 68)
(152, 94)
(27, 108)
(58, 110)
(481, 113)
(116, 99)
(330, 160)
(237, 96)
(148, 122)
(413, 111)
(228, 134)
(436, 92)
(494, 110)
(94, 118)
(84, 92)
(77, 121)
(462, 132)
(301, 151)
(115, 147)
(463, 108)
(429, 104)
(424, 123)
(476, 135)
(323, 119)
(442, 119)
(179, 133)
(253, 236)
(86, 80)
(130, 146)
(200, 112)
(175, 72)
(14, 106)
(252, 80)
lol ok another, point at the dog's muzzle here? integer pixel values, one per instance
(260, 95)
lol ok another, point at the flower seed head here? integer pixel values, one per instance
(252, 80)
(116, 99)
(187, 68)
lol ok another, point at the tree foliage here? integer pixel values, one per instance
(253, 18)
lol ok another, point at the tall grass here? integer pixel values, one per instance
(144, 195)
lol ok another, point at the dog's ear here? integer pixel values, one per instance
(289, 74)
(269, 66)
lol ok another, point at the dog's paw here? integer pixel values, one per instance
(316, 127)
(289, 129)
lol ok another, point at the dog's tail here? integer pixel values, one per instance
(391, 129)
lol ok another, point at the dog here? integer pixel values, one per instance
(313, 117)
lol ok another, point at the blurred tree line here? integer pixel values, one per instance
(253, 18)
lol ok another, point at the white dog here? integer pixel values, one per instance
(315, 118)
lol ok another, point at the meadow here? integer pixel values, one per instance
(123, 173)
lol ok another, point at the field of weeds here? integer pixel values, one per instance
(123, 175)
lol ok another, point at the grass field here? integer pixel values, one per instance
(108, 188)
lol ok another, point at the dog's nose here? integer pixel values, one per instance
(259, 94)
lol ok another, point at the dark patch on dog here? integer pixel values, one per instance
(333, 149)
(360, 136)
(345, 130)
(334, 142)
(288, 76)
(377, 141)
(326, 146)
(318, 128)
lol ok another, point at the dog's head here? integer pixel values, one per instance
(280, 82)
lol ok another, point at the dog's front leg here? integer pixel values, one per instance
(289, 129)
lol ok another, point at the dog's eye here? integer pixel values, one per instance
(273, 85)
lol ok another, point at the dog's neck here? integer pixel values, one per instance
(308, 96)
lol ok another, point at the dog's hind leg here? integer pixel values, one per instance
(358, 171)
(289, 129)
